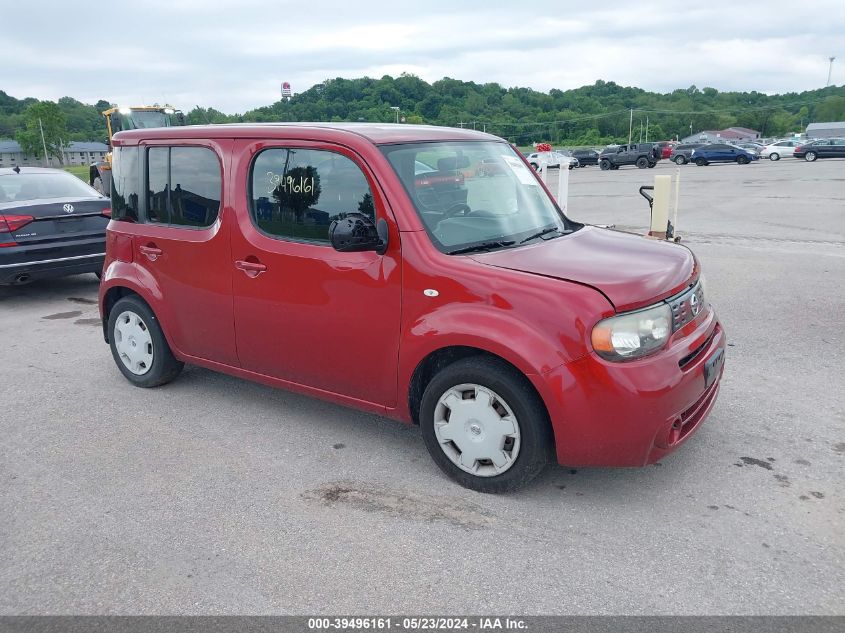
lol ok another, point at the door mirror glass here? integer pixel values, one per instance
(356, 232)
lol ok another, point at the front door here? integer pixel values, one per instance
(305, 312)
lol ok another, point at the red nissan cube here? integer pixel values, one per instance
(389, 268)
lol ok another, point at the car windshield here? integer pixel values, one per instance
(480, 194)
(43, 185)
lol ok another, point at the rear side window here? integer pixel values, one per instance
(183, 186)
(125, 189)
(297, 193)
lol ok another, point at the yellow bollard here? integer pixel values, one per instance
(660, 206)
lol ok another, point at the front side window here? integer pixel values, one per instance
(183, 186)
(463, 206)
(297, 193)
(125, 188)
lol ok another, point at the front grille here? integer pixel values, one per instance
(686, 360)
(686, 306)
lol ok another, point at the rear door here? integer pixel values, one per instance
(182, 242)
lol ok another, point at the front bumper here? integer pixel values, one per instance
(634, 413)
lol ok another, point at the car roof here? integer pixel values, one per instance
(376, 133)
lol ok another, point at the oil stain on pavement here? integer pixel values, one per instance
(403, 504)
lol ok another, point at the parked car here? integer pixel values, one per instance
(721, 153)
(780, 149)
(586, 157)
(506, 330)
(551, 160)
(822, 148)
(51, 224)
(754, 148)
(680, 154)
(665, 148)
(640, 154)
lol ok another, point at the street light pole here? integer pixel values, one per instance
(630, 126)
(43, 143)
(830, 70)
(396, 108)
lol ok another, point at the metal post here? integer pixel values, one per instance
(646, 129)
(830, 70)
(44, 144)
(563, 187)
(630, 126)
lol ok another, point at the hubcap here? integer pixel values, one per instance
(477, 430)
(133, 343)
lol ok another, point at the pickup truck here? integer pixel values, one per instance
(640, 154)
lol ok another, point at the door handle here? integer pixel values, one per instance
(252, 269)
(151, 252)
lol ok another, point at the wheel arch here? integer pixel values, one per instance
(438, 359)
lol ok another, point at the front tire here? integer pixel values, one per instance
(810, 157)
(700, 162)
(774, 156)
(604, 164)
(138, 345)
(741, 160)
(484, 426)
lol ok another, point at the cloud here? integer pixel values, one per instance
(234, 56)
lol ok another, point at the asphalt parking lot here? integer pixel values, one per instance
(215, 495)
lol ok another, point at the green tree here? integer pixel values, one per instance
(831, 109)
(44, 115)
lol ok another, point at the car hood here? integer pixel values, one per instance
(630, 270)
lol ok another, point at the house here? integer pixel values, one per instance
(75, 153)
(729, 135)
(834, 129)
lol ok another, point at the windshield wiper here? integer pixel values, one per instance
(483, 246)
(551, 229)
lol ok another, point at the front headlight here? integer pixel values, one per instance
(633, 334)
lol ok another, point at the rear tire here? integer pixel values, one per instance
(485, 391)
(810, 157)
(642, 162)
(138, 346)
(774, 156)
(680, 160)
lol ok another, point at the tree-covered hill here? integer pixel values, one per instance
(590, 115)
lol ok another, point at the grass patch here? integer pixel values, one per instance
(80, 171)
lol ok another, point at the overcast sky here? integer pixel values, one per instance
(234, 56)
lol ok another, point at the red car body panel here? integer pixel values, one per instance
(354, 327)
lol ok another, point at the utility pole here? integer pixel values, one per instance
(630, 126)
(646, 129)
(641, 131)
(830, 70)
(43, 143)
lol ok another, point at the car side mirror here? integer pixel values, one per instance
(356, 232)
